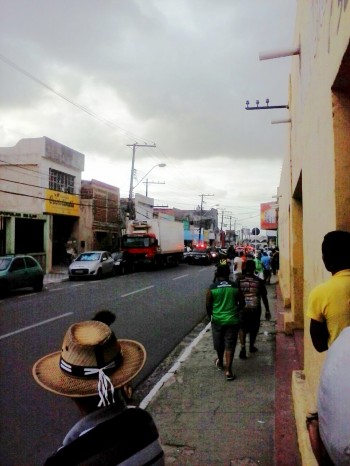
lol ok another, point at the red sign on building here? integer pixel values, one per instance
(269, 216)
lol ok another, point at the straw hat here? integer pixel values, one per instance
(91, 355)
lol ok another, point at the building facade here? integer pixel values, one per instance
(39, 201)
(100, 221)
(314, 191)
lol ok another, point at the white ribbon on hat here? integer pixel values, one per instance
(104, 383)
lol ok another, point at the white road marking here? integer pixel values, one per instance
(55, 289)
(26, 295)
(78, 284)
(137, 291)
(181, 276)
(35, 325)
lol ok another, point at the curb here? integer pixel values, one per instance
(182, 358)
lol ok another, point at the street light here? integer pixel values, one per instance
(161, 165)
(132, 169)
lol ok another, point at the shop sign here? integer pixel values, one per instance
(18, 215)
(57, 202)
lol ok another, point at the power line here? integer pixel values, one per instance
(62, 96)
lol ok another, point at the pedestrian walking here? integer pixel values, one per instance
(254, 291)
(91, 368)
(223, 303)
(275, 261)
(238, 266)
(259, 268)
(266, 262)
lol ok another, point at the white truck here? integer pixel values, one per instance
(154, 242)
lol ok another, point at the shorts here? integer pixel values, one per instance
(224, 336)
(250, 319)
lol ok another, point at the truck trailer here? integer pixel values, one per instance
(154, 242)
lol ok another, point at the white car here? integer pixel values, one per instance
(93, 264)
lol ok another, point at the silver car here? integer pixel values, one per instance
(93, 264)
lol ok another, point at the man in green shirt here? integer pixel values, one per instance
(223, 302)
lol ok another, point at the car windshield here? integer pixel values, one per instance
(89, 256)
(4, 262)
(117, 255)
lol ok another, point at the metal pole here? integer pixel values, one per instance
(132, 174)
(132, 169)
(200, 221)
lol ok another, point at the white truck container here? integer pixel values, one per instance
(154, 242)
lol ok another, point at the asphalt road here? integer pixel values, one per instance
(157, 308)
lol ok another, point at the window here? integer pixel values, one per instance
(60, 181)
(17, 264)
(30, 262)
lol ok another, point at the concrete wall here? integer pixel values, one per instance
(100, 211)
(26, 166)
(317, 198)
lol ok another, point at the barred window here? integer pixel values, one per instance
(60, 181)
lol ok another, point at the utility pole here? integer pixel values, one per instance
(222, 219)
(200, 221)
(151, 182)
(132, 169)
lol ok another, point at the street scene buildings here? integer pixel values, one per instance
(45, 206)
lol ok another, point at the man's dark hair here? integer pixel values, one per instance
(250, 266)
(105, 316)
(336, 250)
(223, 271)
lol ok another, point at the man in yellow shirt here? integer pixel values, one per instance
(329, 311)
(329, 303)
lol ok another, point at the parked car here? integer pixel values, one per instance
(91, 264)
(20, 271)
(200, 257)
(122, 263)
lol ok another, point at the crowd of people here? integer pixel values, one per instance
(94, 368)
(234, 307)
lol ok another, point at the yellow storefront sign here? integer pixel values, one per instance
(57, 202)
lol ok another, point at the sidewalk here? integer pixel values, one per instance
(58, 274)
(205, 420)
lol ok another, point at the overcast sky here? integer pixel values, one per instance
(176, 73)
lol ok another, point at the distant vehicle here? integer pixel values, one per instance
(185, 254)
(214, 254)
(154, 242)
(91, 264)
(122, 263)
(20, 271)
(199, 256)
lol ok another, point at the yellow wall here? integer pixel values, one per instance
(314, 185)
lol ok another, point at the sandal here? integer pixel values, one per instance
(230, 377)
(311, 417)
(219, 366)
